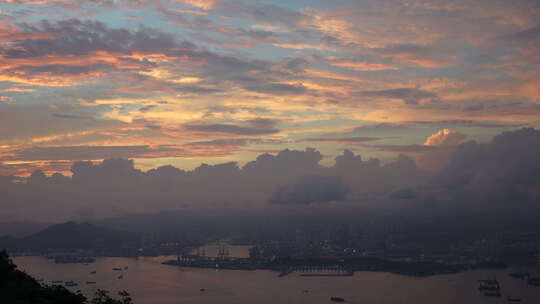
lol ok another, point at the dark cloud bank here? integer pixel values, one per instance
(311, 189)
(499, 176)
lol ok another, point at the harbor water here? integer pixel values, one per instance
(150, 282)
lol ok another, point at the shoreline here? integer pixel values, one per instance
(337, 267)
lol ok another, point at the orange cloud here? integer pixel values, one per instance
(6, 99)
(363, 66)
(445, 137)
(423, 62)
(16, 90)
(202, 4)
(8, 34)
(25, 168)
(531, 89)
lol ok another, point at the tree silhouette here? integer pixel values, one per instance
(17, 287)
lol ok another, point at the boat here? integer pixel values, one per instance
(90, 282)
(519, 275)
(285, 272)
(58, 282)
(71, 284)
(73, 259)
(489, 285)
(514, 299)
(337, 299)
(93, 272)
(534, 281)
(489, 281)
(202, 289)
(492, 293)
(117, 269)
(120, 277)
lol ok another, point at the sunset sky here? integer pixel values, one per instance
(185, 82)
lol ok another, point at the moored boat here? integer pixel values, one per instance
(490, 285)
(519, 275)
(492, 294)
(337, 299)
(534, 281)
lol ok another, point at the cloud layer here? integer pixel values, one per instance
(115, 187)
(501, 175)
(310, 190)
(185, 82)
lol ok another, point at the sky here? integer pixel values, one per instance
(116, 107)
(186, 82)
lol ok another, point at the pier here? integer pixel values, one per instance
(324, 271)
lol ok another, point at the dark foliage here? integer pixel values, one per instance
(17, 287)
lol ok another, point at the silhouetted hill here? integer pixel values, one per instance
(72, 236)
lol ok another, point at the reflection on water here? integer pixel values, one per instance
(149, 282)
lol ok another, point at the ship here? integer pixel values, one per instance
(58, 282)
(519, 275)
(492, 293)
(534, 281)
(93, 272)
(489, 285)
(489, 281)
(71, 284)
(73, 260)
(117, 269)
(337, 299)
(513, 299)
(285, 272)
(120, 277)
(90, 282)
